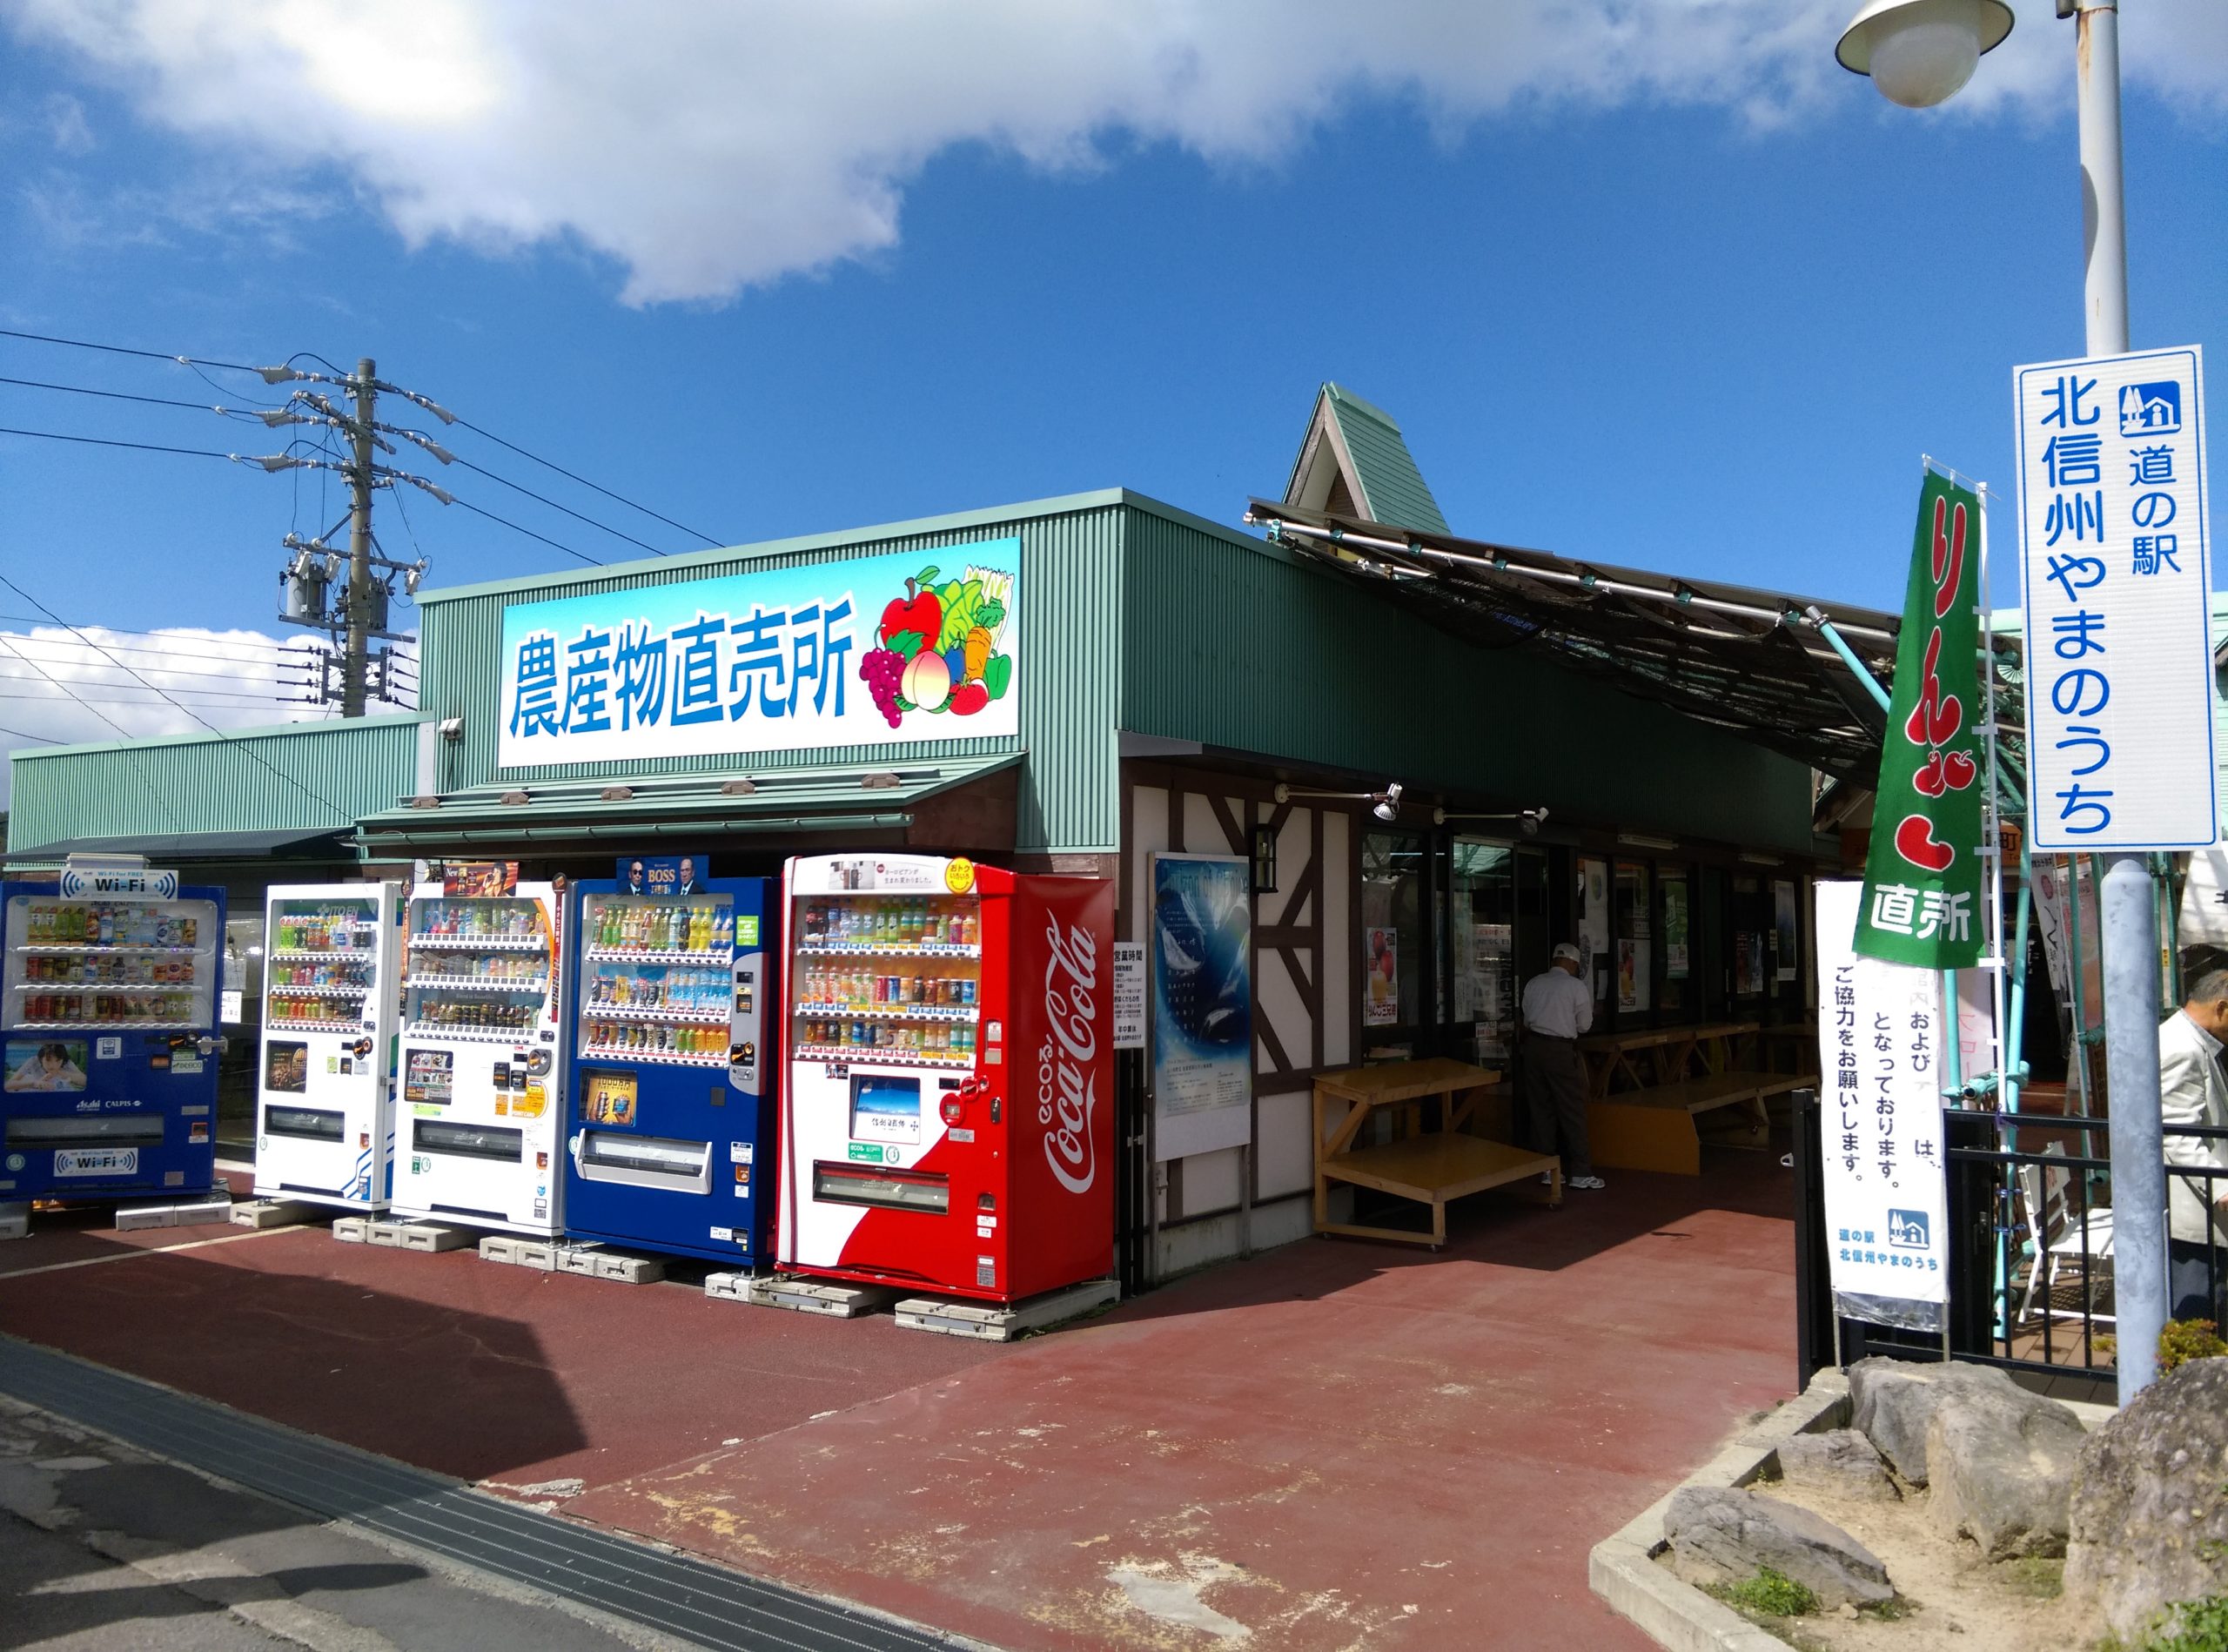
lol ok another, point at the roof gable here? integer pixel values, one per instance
(1355, 451)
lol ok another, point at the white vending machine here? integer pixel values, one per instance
(481, 1116)
(325, 1105)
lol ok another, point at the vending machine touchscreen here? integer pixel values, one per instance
(479, 1116)
(109, 1008)
(672, 1124)
(325, 1121)
(947, 1116)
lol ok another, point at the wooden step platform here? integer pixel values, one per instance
(1660, 1128)
(1432, 1169)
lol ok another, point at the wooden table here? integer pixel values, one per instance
(1431, 1168)
(1672, 1051)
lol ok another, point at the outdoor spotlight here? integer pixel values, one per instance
(1919, 52)
(1388, 806)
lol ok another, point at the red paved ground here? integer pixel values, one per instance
(1334, 1446)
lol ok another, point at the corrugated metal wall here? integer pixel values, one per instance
(1243, 645)
(307, 775)
(1070, 579)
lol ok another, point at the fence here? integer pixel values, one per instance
(2030, 1250)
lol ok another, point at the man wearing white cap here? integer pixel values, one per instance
(1558, 1008)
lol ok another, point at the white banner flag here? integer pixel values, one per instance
(1880, 1028)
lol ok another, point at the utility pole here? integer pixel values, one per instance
(357, 608)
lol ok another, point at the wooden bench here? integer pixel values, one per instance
(1430, 1167)
(1672, 1054)
(1659, 1128)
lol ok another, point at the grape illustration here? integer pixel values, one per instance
(882, 669)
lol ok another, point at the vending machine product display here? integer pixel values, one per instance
(111, 1035)
(948, 1114)
(480, 1112)
(672, 1123)
(325, 1118)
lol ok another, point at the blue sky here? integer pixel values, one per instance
(1701, 312)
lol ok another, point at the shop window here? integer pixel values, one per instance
(1631, 911)
(1752, 922)
(1595, 959)
(1393, 942)
(1481, 940)
(1675, 903)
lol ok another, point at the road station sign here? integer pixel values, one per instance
(2115, 564)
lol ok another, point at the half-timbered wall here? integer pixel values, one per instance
(1305, 1010)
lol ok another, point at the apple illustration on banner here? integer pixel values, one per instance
(940, 646)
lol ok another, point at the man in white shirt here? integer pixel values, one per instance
(2192, 1090)
(1558, 1008)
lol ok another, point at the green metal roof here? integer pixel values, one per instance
(835, 797)
(1373, 457)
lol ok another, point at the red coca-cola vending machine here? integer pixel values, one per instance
(947, 1121)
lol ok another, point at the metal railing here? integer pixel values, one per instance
(2031, 1280)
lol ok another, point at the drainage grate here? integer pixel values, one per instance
(691, 1600)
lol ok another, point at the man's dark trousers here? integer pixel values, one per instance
(1554, 1101)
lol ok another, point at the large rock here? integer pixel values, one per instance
(1721, 1536)
(1896, 1399)
(2150, 1510)
(2000, 1467)
(1838, 1463)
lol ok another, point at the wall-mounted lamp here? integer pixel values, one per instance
(1528, 820)
(1755, 859)
(452, 730)
(1387, 806)
(1641, 840)
(1264, 860)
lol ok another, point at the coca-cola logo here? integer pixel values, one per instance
(1067, 1088)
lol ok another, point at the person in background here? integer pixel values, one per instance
(2192, 1090)
(1558, 1008)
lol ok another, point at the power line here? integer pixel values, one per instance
(107, 442)
(25, 734)
(529, 532)
(555, 506)
(123, 350)
(694, 533)
(281, 651)
(256, 757)
(161, 802)
(119, 395)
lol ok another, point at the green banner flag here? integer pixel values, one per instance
(1922, 879)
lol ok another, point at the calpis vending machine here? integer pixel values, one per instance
(109, 1017)
(480, 1117)
(324, 1120)
(948, 1114)
(671, 1142)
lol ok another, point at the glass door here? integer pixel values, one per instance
(1395, 953)
(1481, 945)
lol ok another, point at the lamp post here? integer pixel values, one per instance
(1919, 52)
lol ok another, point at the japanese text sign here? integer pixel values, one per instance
(1880, 1033)
(2116, 582)
(1922, 877)
(874, 651)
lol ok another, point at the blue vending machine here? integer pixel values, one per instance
(671, 1106)
(109, 1024)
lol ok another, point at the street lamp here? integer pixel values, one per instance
(1919, 52)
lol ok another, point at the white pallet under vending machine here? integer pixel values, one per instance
(324, 1102)
(479, 1119)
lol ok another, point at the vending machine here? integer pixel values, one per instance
(110, 1033)
(672, 1086)
(481, 1113)
(325, 1104)
(948, 1109)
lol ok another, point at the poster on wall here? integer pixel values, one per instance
(1129, 995)
(1380, 990)
(1675, 929)
(1493, 962)
(871, 651)
(1787, 938)
(1593, 925)
(1880, 1125)
(1202, 963)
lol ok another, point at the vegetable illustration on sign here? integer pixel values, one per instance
(939, 646)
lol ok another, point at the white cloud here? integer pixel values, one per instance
(56, 689)
(708, 145)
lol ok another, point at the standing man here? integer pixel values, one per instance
(1558, 1008)
(2193, 1090)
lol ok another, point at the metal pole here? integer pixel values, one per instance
(358, 609)
(2129, 905)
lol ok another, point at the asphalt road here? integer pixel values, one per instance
(103, 1548)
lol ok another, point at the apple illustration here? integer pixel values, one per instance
(918, 611)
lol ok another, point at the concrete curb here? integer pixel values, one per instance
(1621, 1568)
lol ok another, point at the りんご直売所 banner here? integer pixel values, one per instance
(1923, 877)
(872, 651)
